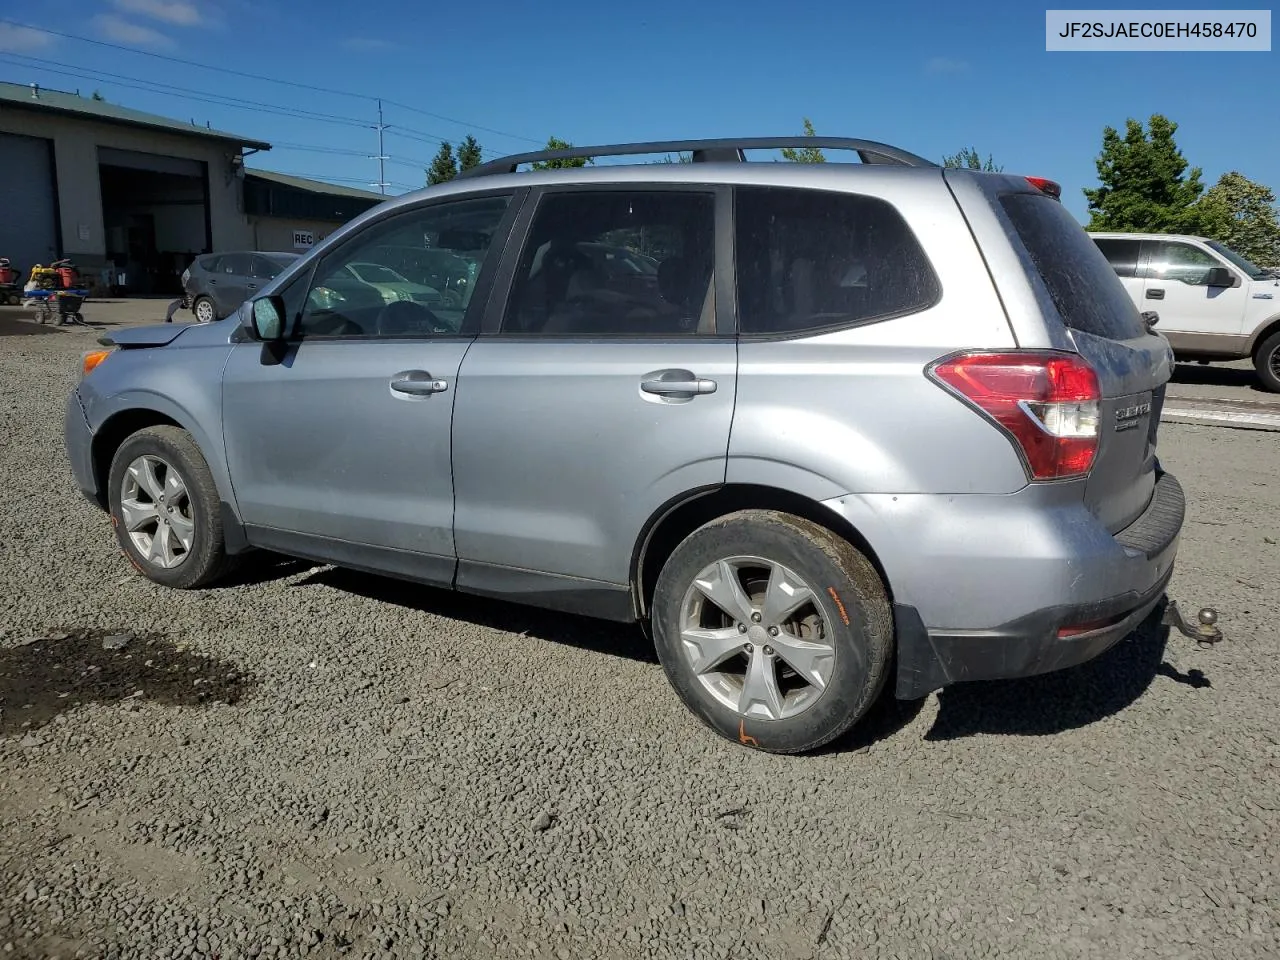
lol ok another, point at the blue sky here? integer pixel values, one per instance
(929, 78)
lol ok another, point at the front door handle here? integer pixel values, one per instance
(417, 383)
(689, 384)
(1156, 294)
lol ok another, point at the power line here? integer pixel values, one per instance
(186, 63)
(181, 93)
(254, 76)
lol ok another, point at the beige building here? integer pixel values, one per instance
(133, 197)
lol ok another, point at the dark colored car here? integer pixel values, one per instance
(217, 283)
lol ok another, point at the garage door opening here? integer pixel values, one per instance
(155, 213)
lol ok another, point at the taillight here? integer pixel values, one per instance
(1046, 186)
(1046, 402)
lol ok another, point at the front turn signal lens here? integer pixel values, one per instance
(91, 360)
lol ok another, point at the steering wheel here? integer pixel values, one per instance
(408, 318)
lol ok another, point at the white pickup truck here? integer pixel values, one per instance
(1212, 303)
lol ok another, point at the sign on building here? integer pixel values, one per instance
(303, 239)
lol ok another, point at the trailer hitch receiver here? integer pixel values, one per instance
(1205, 632)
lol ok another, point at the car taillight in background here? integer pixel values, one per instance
(1046, 402)
(1047, 187)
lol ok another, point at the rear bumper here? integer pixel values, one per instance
(1031, 588)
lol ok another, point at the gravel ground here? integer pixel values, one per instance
(322, 764)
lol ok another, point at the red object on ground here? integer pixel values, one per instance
(68, 275)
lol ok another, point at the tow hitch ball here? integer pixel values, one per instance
(1205, 632)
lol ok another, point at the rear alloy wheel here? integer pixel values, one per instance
(204, 310)
(165, 509)
(773, 630)
(1266, 361)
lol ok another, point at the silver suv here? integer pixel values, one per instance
(865, 424)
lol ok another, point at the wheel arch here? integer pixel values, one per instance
(1264, 330)
(113, 432)
(680, 516)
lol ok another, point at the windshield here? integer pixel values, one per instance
(1254, 271)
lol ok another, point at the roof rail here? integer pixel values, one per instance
(708, 151)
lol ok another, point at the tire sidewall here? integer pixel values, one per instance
(200, 556)
(1262, 364)
(858, 670)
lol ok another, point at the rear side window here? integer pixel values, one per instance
(210, 264)
(1121, 254)
(1082, 283)
(812, 260)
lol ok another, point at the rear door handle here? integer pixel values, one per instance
(668, 388)
(417, 383)
(1156, 294)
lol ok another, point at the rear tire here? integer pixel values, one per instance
(797, 655)
(165, 509)
(1266, 361)
(205, 310)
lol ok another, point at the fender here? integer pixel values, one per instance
(103, 409)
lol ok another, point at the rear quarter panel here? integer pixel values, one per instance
(851, 411)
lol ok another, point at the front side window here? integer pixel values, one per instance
(621, 263)
(1182, 262)
(389, 281)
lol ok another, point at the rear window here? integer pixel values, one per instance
(1082, 283)
(811, 260)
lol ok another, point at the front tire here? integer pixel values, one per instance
(774, 631)
(166, 510)
(1266, 361)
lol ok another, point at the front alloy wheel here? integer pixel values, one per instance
(166, 510)
(156, 509)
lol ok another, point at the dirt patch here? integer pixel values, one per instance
(47, 675)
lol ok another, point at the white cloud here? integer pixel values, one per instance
(178, 12)
(14, 39)
(119, 30)
(368, 43)
(946, 65)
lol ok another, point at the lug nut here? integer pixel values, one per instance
(768, 651)
(755, 618)
(773, 631)
(742, 628)
(748, 647)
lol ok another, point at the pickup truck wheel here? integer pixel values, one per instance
(1266, 361)
(774, 631)
(165, 509)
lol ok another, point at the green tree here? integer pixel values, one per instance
(1242, 214)
(555, 143)
(968, 158)
(805, 154)
(1145, 185)
(444, 167)
(468, 154)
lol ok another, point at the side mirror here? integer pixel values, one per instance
(1220, 277)
(266, 319)
(1149, 319)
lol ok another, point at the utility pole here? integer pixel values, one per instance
(382, 156)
